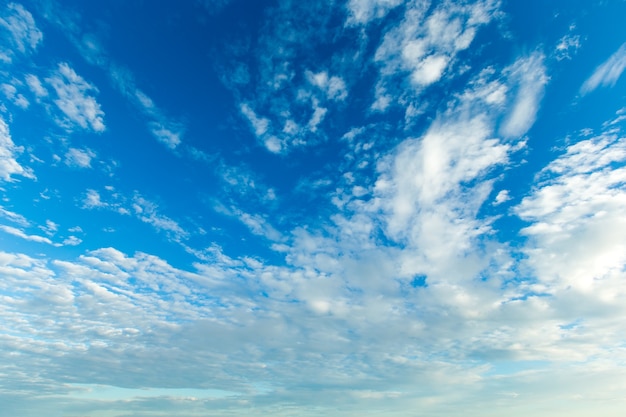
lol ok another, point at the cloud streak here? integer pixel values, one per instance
(606, 74)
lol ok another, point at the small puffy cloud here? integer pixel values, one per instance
(607, 74)
(74, 99)
(23, 31)
(502, 197)
(79, 158)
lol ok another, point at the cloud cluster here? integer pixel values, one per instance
(423, 46)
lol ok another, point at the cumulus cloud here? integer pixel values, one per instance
(74, 99)
(607, 74)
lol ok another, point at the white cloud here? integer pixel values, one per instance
(333, 87)
(502, 197)
(567, 47)
(259, 124)
(19, 233)
(423, 45)
(578, 221)
(93, 200)
(8, 152)
(10, 92)
(529, 80)
(80, 158)
(14, 217)
(607, 74)
(429, 70)
(35, 86)
(147, 212)
(25, 36)
(363, 11)
(72, 241)
(166, 135)
(74, 99)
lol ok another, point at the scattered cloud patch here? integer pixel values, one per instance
(23, 34)
(36, 86)
(79, 158)
(10, 92)
(74, 99)
(567, 47)
(361, 12)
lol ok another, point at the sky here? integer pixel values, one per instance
(288, 208)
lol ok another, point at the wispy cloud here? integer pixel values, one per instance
(529, 80)
(363, 11)
(165, 129)
(607, 74)
(74, 99)
(8, 154)
(14, 217)
(137, 206)
(19, 233)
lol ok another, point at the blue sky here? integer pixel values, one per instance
(362, 207)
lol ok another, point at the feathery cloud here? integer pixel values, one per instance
(607, 74)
